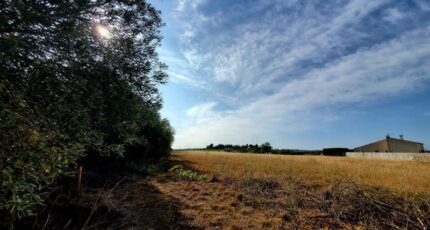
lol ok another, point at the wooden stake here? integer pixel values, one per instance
(80, 177)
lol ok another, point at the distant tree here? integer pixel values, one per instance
(266, 147)
(211, 146)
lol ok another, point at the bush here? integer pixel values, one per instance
(67, 94)
(153, 142)
(30, 160)
(187, 174)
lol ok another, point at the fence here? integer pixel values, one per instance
(391, 156)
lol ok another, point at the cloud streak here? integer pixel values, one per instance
(286, 63)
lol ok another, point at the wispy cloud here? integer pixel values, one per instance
(396, 67)
(285, 62)
(423, 4)
(258, 52)
(201, 110)
(393, 15)
(184, 4)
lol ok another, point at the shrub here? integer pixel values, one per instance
(153, 140)
(30, 160)
(187, 174)
(65, 93)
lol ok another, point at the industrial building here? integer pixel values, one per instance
(392, 145)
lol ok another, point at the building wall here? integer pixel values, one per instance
(379, 146)
(391, 156)
(397, 146)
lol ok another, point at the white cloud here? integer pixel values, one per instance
(201, 110)
(184, 4)
(256, 53)
(384, 69)
(423, 4)
(282, 69)
(181, 78)
(179, 70)
(393, 15)
(392, 68)
(355, 11)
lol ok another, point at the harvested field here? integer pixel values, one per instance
(212, 190)
(404, 178)
(249, 191)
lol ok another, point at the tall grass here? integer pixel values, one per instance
(401, 177)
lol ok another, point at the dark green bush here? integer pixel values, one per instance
(67, 94)
(30, 160)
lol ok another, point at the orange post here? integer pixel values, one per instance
(80, 168)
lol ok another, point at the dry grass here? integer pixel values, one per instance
(249, 191)
(253, 191)
(401, 177)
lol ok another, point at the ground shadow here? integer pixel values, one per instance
(121, 203)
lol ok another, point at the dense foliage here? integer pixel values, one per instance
(263, 148)
(77, 78)
(250, 148)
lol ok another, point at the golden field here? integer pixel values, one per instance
(404, 177)
(224, 190)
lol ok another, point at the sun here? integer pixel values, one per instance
(103, 31)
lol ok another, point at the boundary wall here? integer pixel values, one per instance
(391, 156)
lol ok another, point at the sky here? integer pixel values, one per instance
(299, 74)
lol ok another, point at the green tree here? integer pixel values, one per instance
(77, 77)
(266, 147)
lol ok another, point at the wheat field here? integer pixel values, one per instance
(401, 177)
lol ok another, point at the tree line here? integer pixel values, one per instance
(251, 148)
(263, 148)
(70, 92)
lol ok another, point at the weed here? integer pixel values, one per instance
(187, 174)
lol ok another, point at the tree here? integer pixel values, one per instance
(77, 78)
(266, 147)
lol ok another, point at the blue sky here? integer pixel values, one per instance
(299, 74)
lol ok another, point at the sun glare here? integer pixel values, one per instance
(103, 31)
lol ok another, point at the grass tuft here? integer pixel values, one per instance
(188, 174)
